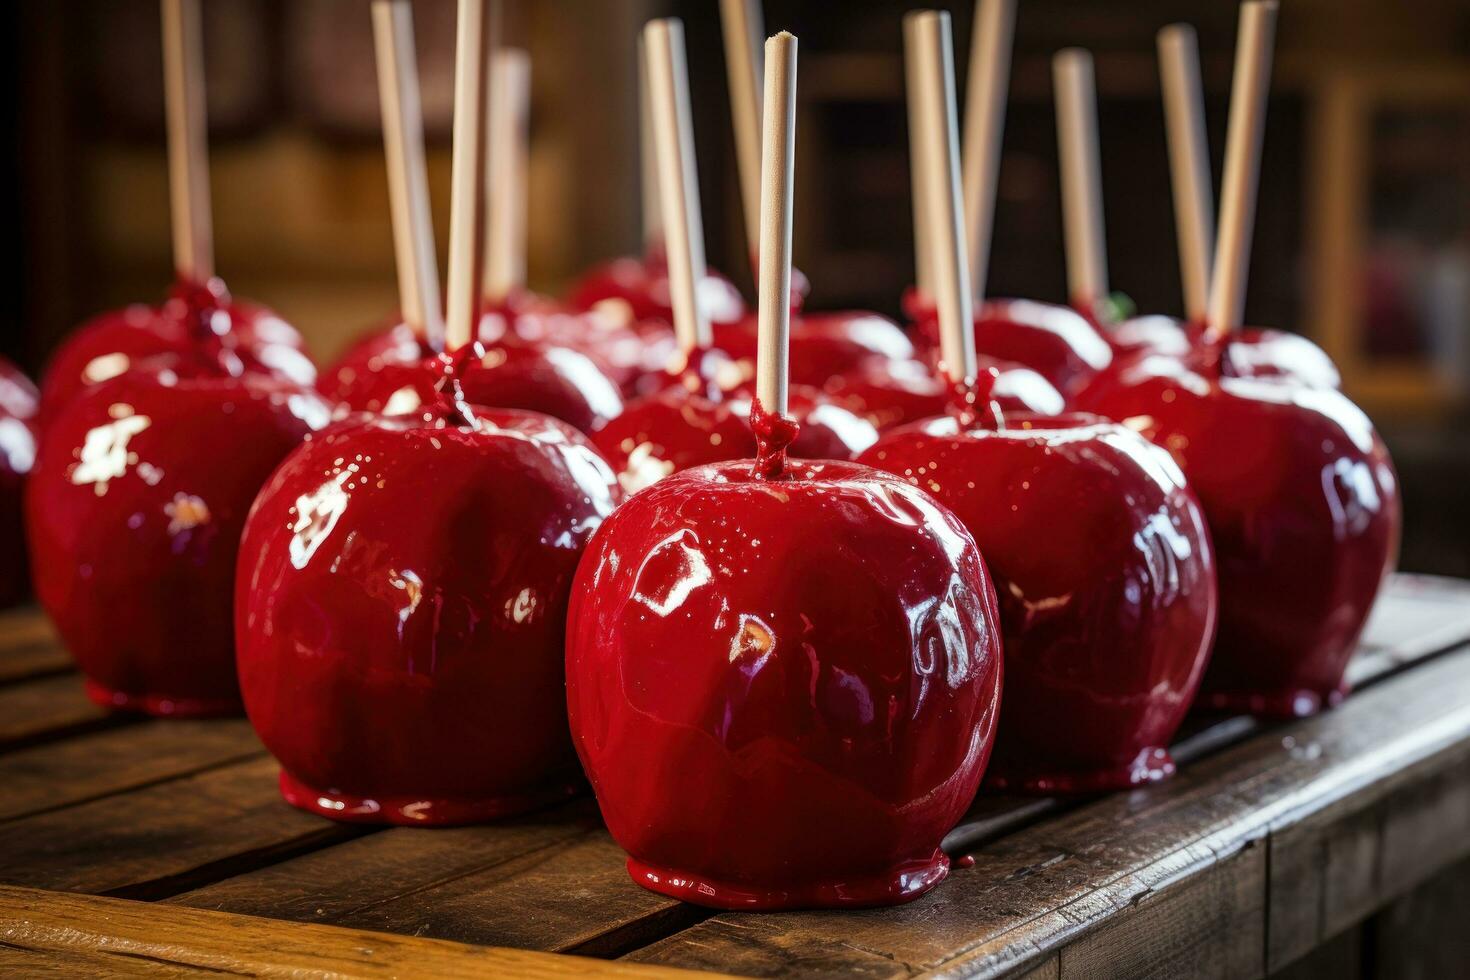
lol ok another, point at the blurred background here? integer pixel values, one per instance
(1362, 240)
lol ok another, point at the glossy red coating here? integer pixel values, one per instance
(197, 321)
(784, 691)
(641, 285)
(134, 513)
(1056, 342)
(19, 404)
(1303, 506)
(1251, 352)
(395, 372)
(823, 345)
(1106, 578)
(401, 613)
(908, 391)
(691, 421)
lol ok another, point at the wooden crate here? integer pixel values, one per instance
(132, 846)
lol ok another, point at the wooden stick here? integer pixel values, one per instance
(1248, 94)
(1189, 163)
(474, 36)
(408, 181)
(510, 112)
(188, 140)
(741, 26)
(778, 149)
(985, 116)
(668, 83)
(1082, 208)
(918, 167)
(653, 218)
(929, 47)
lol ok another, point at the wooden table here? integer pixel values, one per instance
(1339, 846)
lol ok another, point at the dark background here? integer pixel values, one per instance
(1362, 240)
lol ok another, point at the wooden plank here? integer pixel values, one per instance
(18, 963)
(1419, 614)
(29, 647)
(1036, 892)
(164, 839)
(549, 881)
(174, 937)
(1340, 958)
(88, 767)
(49, 708)
(1423, 935)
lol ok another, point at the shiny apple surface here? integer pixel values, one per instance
(1106, 580)
(19, 405)
(134, 513)
(401, 613)
(1303, 507)
(1251, 352)
(197, 320)
(783, 689)
(641, 286)
(823, 345)
(894, 394)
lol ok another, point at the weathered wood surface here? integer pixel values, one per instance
(30, 647)
(121, 935)
(1187, 878)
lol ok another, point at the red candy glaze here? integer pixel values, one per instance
(1057, 343)
(134, 513)
(908, 391)
(401, 613)
(1303, 506)
(823, 345)
(783, 691)
(195, 322)
(641, 286)
(19, 403)
(1106, 579)
(395, 372)
(1252, 352)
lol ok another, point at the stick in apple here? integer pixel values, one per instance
(509, 117)
(653, 219)
(778, 147)
(1189, 163)
(929, 49)
(1082, 209)
(985, 115)
(741, 27)
(188, 149)
(408, 182)
(1248, 94)
(474, 35)
(918, 146)
(673, 130)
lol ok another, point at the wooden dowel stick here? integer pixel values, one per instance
(741, 24)
(1082, 209)
(475, 32)
(1189, 163)
(668, 78)
(188, 140)
(778, 150)
(508, 138)
(653, 219)
(1248, 94)
(408, 181)
(928, 45)
(918, 148)
(985, 116)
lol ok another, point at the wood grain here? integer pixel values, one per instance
(128, 933)
(48, 777)
(163, 839)
(49, 708)
(29, 647)
(1038, 891)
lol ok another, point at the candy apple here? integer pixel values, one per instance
(820, 648)
(197, 321)
(824, 345)
(641, 288)
(19, 403)
(1303, 506)
(401, 608)
(1103, 566)
(907, 391)
(134, 513)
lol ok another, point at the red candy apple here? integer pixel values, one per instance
(401, 608)
(907, 391)
(641, 288)
(197, 321)
(19, 403)
(1106, 579)
(1303, 505)
(134, 513)
(824, 345)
